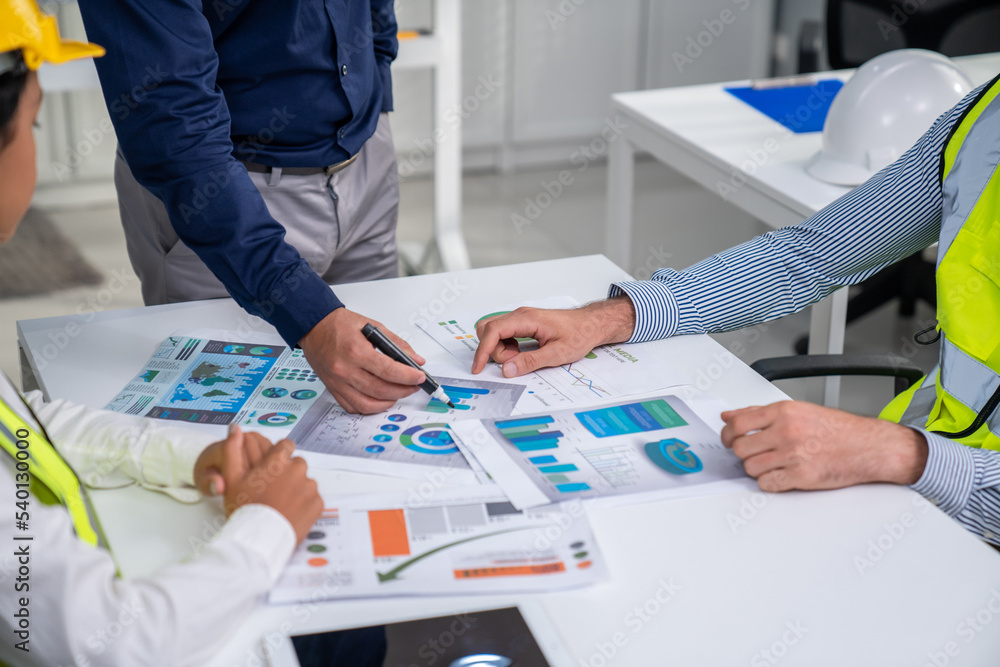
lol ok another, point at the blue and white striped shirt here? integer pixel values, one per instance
(893, 215)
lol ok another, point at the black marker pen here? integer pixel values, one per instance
(389, 349)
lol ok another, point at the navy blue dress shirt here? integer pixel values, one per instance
(192, 87)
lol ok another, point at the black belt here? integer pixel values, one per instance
(300, 171)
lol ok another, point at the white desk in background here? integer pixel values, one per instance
(864, 576)
(708, 135)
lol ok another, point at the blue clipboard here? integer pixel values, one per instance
(799, 108)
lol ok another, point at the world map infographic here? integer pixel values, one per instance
(260, 384)
(222, 377)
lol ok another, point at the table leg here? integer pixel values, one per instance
(28, 380)
(448, 235)
(621, 187)
(826, 336)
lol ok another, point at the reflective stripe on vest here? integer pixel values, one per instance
(48, 468)
(951, 397)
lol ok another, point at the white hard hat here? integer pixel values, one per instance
(883, 110)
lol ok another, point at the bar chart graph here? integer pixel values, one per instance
(559, 474)
(529, 435)
(460, 396)
(602, 451)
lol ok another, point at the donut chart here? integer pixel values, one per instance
(277, 419)
(429, 439)
(674, 456)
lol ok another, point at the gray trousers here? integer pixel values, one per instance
(343, 225)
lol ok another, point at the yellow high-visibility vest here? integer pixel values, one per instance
(959, 397)
(51, 479)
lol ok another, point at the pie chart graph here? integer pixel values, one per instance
(274, 392)
(276, 419)
(429, 439)
(261, 351)
(674, 456)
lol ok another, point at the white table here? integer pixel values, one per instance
(748, 566)
(708, 135)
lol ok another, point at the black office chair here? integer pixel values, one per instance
(857, 31)
(821, 365)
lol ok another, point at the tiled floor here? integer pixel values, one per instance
(677, 220)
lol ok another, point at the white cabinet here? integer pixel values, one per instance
(708, 41)
(569, 56)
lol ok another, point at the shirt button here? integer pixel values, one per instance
(342, 132)
(343, 70)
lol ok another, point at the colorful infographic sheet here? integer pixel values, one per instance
(207, 377)
(642, 446)
(372, 546)
(607, 372)
(408, 440)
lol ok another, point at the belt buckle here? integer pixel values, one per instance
(334, 168)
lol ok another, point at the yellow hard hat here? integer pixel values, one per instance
(36, 36)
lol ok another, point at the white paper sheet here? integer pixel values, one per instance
(625, 450)
(411, 440)
(607, 372)
(459, 542)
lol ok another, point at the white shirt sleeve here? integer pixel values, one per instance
(110, 450)
(81, 613)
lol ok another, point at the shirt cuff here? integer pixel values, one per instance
(297, 303)
(656, 309)
(262, 530)
(949, 475)
(167, 460)
(385, 72)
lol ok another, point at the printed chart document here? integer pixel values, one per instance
(391, 544)
(410, 439)
(653, 445)
(607, 372)
(207, 377)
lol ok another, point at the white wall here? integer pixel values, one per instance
(543, 71)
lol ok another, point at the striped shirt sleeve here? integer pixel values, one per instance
(964, 483)
(891, 216)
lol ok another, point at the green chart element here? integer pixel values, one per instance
(394, 572)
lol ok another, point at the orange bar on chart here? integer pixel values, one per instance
(388, 533)
(510, 571)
